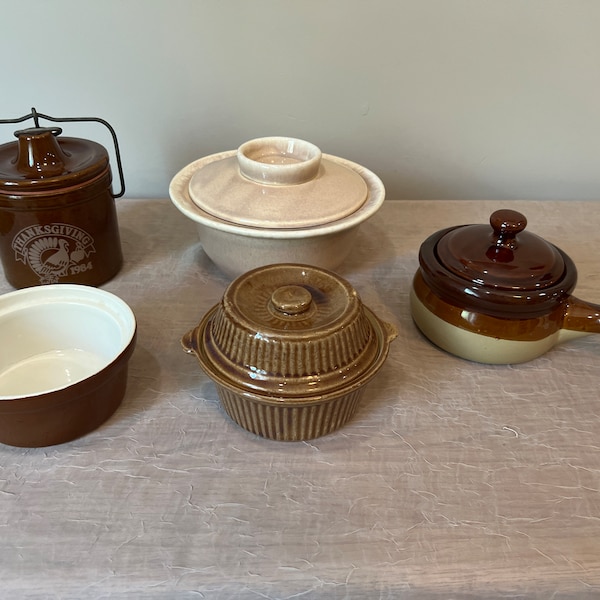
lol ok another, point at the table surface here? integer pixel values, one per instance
(453, 479)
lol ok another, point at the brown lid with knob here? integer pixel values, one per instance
(500, 268)
(40, 160)
(288, 331)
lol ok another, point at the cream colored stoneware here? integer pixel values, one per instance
(279, 160)
(276, 200)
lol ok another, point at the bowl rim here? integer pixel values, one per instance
(179, 194)
(91, 296)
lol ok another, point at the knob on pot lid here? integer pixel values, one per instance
(503, 256)
(498, 268)
(41, 160)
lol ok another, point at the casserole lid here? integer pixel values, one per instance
(288, 331)
(40, 160)
(276, 183)
(498, 268)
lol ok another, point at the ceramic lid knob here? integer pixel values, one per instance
(39, 154)
(291, 299)
(279, 160)
(506, 225)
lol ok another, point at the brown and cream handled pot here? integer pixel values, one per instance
(497, 293)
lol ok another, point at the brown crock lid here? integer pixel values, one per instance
(498, 268)
(41, 160)
(289, 330)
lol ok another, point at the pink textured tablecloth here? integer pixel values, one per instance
(453, 480)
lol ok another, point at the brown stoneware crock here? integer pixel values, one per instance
(290, 349)
(497, 293)
(58, 221)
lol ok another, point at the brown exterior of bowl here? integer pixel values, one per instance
(65, 415)
(289, 422)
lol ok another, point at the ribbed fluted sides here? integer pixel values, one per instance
(292, 356)
(289, 422)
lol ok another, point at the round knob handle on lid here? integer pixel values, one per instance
(507, 224)
(39, 153)
(279, 160)
(291, 299)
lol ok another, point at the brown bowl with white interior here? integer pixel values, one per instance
(64, 354)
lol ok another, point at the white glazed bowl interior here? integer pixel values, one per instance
(237, 248)
(54, 336)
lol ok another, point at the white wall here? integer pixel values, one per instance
(442, 98)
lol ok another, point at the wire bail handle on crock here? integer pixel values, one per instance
(56, 131)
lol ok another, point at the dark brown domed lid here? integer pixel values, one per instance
(499, 269)
(41, 160)
(504, 256)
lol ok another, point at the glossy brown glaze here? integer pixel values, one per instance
(582, 316)
(58, 221)
(295, 328)
(41, 159)
(289, 347)
(501, 281)
(506, 328)
(501, 271)
(503, 256)
(288, 421)
(65, 415)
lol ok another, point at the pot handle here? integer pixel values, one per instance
(390, 330)
(36, 116)
(188, 341)
(581, 316)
